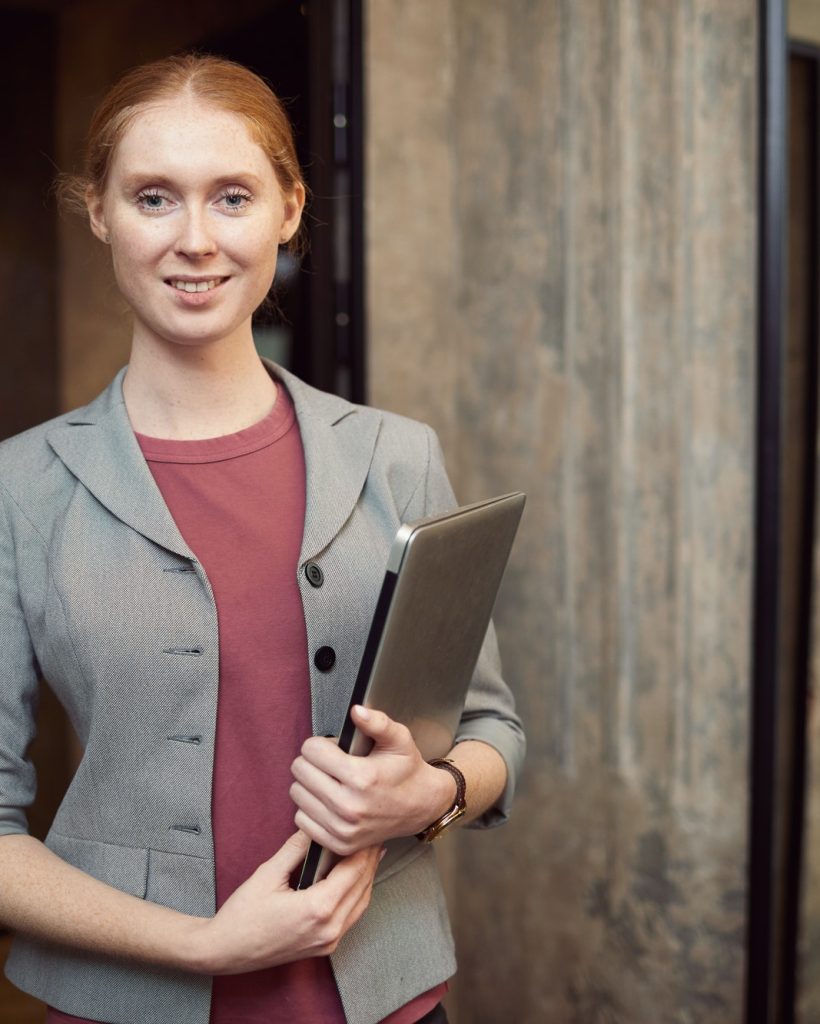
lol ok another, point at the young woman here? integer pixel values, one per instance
(211, 527)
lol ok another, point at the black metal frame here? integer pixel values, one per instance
(357, 296)
(337, 292)
(777, 772)
(761, 900)
(797, 727)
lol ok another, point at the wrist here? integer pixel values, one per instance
(444, 790)
(200, 946)
(455, 809)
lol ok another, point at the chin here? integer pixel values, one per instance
(194, 336)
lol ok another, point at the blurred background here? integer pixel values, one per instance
(580, 238)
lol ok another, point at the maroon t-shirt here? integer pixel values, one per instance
(239, 502)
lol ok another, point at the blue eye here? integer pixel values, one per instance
(236, 200)
(151, 201)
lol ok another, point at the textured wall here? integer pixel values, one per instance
(561, 254)
(804, 20)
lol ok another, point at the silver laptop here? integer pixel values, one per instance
(431, 617)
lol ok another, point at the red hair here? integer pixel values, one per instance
(218, 81)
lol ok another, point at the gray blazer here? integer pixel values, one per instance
(100, 594)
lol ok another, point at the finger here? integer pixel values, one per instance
(388, 734)
(359, 907)
(325, 755)
(328, 817)
(326, 835)
(315, 780)
(289, 856)
(350, 878)
(359, 899)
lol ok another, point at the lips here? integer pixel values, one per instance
(186, 284)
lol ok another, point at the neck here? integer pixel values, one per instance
(187, 393)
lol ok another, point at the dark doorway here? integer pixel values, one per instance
(310, 53)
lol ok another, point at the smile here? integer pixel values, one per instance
(195, 286)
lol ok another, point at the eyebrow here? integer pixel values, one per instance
(147, 179)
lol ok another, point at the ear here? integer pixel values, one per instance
(96, 214)
(294, 204)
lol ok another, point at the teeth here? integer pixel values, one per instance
(195, 286)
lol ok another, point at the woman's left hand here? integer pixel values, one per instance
(347, 803)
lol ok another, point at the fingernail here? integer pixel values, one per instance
(381, 855)
(362, 712)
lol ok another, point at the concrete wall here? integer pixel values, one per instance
(561, 268)
(804, 20)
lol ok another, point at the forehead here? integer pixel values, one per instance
(187, 137)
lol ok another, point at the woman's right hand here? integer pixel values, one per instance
(265, 922)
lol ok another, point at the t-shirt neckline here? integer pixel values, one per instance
(274, 425)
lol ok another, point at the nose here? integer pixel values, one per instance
(196, 238)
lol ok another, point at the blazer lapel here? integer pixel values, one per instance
(338, 440)
(98, 446)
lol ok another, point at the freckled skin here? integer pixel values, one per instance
(191, 194)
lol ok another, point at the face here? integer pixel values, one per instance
(194, 215)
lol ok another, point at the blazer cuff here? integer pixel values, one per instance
(12, 822)
(505, 737)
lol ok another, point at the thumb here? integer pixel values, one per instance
(289, 856)
(387, 734)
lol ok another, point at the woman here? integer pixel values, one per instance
(210, 522)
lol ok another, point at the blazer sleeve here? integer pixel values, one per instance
(489, 712)
(19, 689)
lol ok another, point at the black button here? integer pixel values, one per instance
(314, 574)
(324, 659)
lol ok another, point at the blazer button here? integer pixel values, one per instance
(324, 659)
(314, 574)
